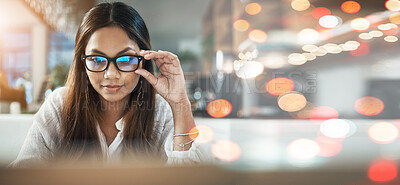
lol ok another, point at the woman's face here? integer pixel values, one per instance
(112, 84)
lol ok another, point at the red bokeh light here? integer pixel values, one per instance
(362, 50)
(279, 86)
(320, 12)
(351, 7)
(382, 171)
(323, 113)
(393, 31)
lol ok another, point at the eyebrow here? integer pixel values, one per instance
(119, 53)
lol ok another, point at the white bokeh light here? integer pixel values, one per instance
(308, 36)
(328, 21)
(335, 128)
(303, 149)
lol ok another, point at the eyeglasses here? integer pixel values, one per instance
(126, 63)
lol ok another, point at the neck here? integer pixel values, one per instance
(113, 111)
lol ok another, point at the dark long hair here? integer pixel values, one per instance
(81, 112)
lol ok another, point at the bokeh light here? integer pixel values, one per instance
(297, 59)
(365, 36)
(248, 69)
(253, 8)
(303, 149)
(205, 134)
(383, 171)
(320, 52)
(369, 106)
(258, 36)
(226, 150)
(310, 48)
(360, 24)
(362, 50)
(300, 5)
(328, 148)
(335, 128)
(241, 25)
(332, 48)
(390, 38)
(279, 86)
(393, 5)
(219, 108)
(376, 33)
(323, 113)
(384, 27)
(309, 56)
(383, 132)
(308, 36)
(328, 21)
(291, 102)
(351, 7)
(320, 12)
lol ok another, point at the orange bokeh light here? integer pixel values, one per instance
(320, 12)
(219, 108)
(226, 150)
(241, 25)
(279, 86)
(369, 106)
(205, 134)
(382, 171)
(393, 5)
(362, 50)
(323, 113)
(253, 8)
(383, 133)
(351, 7)
(292, 102)
(258, 36)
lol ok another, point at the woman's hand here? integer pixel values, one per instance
(171, 83)
(171, 86)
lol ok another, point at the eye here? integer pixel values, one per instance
(97, 59)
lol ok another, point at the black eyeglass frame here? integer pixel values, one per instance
(114, 60)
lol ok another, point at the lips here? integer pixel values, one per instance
(112, 86)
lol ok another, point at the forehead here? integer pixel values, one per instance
(110, 40)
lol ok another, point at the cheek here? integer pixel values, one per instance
(94, 78)
(130, 80)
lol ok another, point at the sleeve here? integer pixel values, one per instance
(40, 141)
(198, 153)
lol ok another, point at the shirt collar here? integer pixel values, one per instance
(119, 124)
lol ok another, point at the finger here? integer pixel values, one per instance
(148, 76)
(161, 57)
(170, 58)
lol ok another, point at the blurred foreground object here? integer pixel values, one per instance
(181, 175)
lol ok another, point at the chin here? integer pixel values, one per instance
(112, 98)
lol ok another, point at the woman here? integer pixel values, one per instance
(109, 108)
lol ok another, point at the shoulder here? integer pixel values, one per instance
(50, 110)
(163, 111)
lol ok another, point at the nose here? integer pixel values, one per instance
(111, 71)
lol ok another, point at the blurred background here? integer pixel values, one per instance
(281, 83)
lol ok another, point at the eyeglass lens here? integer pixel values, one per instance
(124, 63)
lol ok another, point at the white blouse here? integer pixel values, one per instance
(42, 138)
